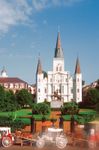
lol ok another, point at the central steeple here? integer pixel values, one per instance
(58, 49)
(58, 60)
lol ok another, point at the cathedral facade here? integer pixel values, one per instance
(58, 86)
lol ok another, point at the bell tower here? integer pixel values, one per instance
(77, 82)
(39, 81)
(58, 60)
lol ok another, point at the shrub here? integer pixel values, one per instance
(41, 108)
(8, 122)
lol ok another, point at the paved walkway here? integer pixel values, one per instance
(48, 147)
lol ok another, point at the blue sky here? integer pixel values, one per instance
(29, 27)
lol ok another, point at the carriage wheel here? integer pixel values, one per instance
(40, 143)
(6, 141)
(61, 143)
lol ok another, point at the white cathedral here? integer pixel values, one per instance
(58, 86)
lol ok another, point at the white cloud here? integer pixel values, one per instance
(13, 12)
(41, 4)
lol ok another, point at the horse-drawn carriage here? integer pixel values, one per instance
(6, 138)
(52, 135)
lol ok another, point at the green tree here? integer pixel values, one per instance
(97, 86)
(10, 101)
(8, 121)
(2, 98)
(7, 100)
(41, 108)
(70, 108)
(93, 95)
(35, 108)
(83, 117)
(24, 98)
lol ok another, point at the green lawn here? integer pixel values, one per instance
(19, 113)
(24, 115)
(82, 113)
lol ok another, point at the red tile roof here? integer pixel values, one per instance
(11, 80)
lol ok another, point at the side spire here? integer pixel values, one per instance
(58, 49)
(39, 67)
(77, 68)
